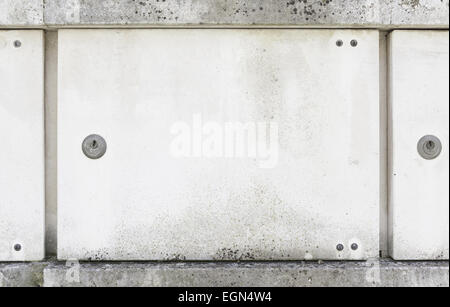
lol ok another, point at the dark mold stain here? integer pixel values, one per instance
(310, 10)
(412, 3)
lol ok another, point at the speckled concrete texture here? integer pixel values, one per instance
(18, 13)
(22, 274)
(302, 13)
(384, 273)
(282, 274)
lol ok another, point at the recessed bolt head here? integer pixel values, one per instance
(17, 247)
(17, 44)
(355, 246)
(340, 247)
(429, 147)
(94, 146)
(354, 43)
(339, 43)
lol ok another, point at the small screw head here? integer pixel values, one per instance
(354, 246)
(340, 247)
(339, 43)
(354, 43)
(17, 247)
(17, 44)
(429, 147)
(94, 146)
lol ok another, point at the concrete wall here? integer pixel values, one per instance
(52, 15)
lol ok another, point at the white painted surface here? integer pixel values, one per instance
(22, 146)
(419, 196)
(140, 202)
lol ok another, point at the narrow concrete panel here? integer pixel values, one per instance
(218, 144)
(22, 146)
(419, 145)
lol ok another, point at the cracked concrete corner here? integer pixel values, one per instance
(21, 13)
(384, 14)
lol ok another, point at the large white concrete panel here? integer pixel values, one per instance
(317, 188)
(419, 99)
(22, 146)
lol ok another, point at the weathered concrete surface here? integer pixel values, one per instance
(419, 197)
(22, 274)
(304, 13)
(21, 12)
(212, 206)
(301, 274)
(22, 163)
(298, 274)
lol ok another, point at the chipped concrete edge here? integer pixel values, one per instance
(377, 273)
(382, 14)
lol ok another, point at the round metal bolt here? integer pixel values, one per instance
(429, 147)
(340, 247)
(354, 246)
(339, 43)
(17, 247)
(354, 43)
(17, 44)
(94, 146)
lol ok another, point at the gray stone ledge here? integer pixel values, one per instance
(384, 273)
(383, 14)
(22, 274)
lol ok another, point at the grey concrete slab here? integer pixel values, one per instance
(303, 13)
(14, 13)
(281, 274)
(237, 219)
(384, 273)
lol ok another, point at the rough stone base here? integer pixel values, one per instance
(22, 274)
(385, 273)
